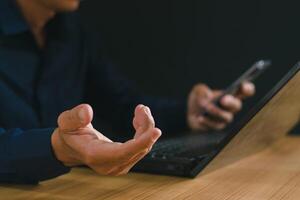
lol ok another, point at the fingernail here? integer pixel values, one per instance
(250, 87)
(147, 110)
(81, 114)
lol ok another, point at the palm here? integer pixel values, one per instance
(90, 147)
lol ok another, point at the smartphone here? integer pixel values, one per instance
(249, 76)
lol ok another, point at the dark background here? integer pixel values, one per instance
(167, 46)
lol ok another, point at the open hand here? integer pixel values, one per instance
(75, 142)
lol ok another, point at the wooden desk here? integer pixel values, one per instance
(273, 173)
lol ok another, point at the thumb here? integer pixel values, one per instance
(143, 120)
(78, 117)
(202, 91)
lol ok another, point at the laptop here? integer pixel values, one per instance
(275, 114)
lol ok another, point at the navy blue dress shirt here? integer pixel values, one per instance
(36, 85)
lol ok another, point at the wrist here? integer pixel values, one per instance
(57, 146)
(61, 152)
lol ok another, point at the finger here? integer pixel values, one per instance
(210, 124)
(135, 160)
(206, 96)
(143, 120)
(202, 91)
(231, 103)
(195, 124)
(140, 144)
(124, 168)
(247, 90)
(217, 93)
(78, 117)
(219, 114)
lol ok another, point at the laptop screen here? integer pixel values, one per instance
(274, 109)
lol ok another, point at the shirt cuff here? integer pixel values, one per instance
(33, 158)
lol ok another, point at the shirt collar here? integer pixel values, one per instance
(11, 19)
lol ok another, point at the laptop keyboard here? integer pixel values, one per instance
(186, 148)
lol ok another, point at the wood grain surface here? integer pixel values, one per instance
(273, 173)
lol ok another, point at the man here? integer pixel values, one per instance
(49, 63)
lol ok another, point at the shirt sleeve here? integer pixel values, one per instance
(27, 156)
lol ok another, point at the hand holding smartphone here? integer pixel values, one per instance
(249, 76)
